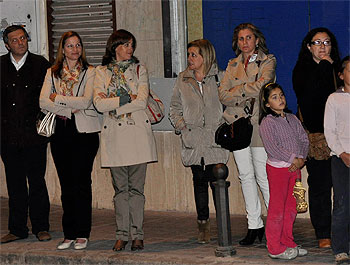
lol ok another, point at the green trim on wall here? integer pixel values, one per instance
(194, 20)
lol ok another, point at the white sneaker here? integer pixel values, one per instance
(289, 253)
(341, 257)
(80, 245)
(301, 252)
(65, 244)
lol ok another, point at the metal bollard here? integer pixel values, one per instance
(225, 247)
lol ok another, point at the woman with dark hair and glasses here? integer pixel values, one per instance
(121, 92)
(313, 81)
(68, 91)
(245, 76)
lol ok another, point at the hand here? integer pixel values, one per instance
(133, 97)
(328, 58)
(102, 95)
(53, 97)
(346, 158)
(292, 168)
(297, 163)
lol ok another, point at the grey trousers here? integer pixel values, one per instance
(129, 201)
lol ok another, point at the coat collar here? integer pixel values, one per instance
(189, 74)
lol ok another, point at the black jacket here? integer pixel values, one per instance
(313, 83)
(20, 91)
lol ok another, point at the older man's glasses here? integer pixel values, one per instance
(319, 43)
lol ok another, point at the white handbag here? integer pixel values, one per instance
(45, 124)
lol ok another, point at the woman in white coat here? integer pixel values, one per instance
(121, 91)
(75, 142)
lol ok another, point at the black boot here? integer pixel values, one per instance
(252, 235)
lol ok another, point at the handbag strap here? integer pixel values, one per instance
(249, 111)
(335, 80)
(53, 84)
(80, 83)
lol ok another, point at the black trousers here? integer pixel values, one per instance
(73, 154)
(202, 175)
(320, 192)
(22, 165)
(341, 206)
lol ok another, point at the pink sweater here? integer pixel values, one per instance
(283, 138)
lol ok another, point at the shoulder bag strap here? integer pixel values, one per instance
(53, 84)
(80, 83)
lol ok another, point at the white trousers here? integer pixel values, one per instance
(251, 164)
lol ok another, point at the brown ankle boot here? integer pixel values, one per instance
(204, 231)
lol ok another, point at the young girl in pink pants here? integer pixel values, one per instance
(286, 144)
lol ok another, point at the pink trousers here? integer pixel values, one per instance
(282, 209)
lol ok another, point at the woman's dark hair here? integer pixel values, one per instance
(56, 69)
(306, 56)
(264, 98)
(257, 33)
(342, 66)
(117, 38)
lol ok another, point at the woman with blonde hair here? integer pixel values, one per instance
(196, 113)
(67, 92)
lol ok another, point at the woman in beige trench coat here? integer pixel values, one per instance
(121, 91)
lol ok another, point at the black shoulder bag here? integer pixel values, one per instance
(238, 135)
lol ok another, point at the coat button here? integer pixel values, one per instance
(236, 116)
(237, 104)
(189, 130)
(119, 124)
(147, 121)
(243, 95)
(105, 127)
(13, 84)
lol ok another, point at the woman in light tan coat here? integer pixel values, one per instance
(244, 77)
(196, 113)
(121, 91)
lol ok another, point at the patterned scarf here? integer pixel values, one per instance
(69, 78)
(118, 85)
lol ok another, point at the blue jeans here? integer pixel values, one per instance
(341, 205)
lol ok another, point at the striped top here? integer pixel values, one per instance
(284, 138)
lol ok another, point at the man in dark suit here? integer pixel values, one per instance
(23, 151)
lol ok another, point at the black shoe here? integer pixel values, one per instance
(252, 235)
(137, 244)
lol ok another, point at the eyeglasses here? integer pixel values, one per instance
(22, 38)
(319, 43)
(71, 46)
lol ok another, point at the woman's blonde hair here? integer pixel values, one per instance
(57, 67)
(207, 51)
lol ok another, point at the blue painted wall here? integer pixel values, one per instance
(284, 24)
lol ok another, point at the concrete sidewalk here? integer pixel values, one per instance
(170, 238)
